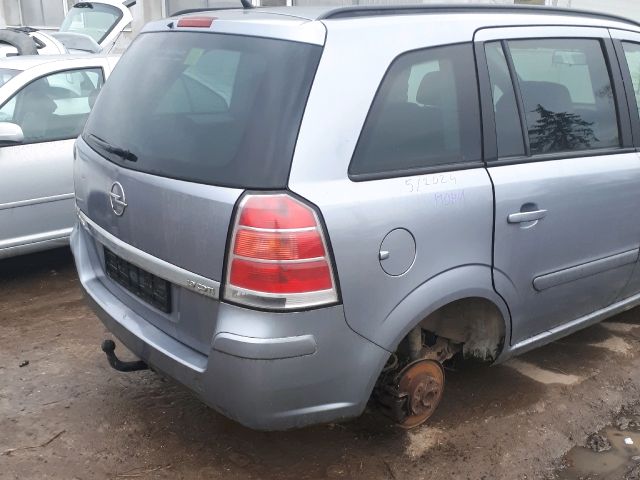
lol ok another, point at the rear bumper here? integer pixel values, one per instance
(268, 371)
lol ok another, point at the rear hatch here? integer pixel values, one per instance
(187, 122)
(94, 26)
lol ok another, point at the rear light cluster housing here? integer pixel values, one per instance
(278, 256)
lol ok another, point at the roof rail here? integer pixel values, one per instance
(374, 10)
(246, 4)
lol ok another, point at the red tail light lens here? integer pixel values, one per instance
(278, 258)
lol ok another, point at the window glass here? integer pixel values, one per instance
(205, 87)
(7, 74)
(567, 94)
(632, 53)
(424, 115)
(96, 21)
(54, 107)
(219, 109)
(508, 129)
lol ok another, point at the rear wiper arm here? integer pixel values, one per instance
(120, 152)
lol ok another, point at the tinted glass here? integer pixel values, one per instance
(424, 115)
(632, 53)
(218, 109)
(54, 107)
(508, 129)
(567, 94)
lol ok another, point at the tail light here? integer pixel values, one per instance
(278, 258)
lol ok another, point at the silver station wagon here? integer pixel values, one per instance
(292, 211)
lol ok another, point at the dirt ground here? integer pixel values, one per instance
(68, 415)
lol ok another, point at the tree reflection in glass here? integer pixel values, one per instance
(560, 132)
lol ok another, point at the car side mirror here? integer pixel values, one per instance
(10, 134)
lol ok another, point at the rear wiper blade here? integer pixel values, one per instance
(120, 152)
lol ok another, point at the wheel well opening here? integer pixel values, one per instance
(474, 323)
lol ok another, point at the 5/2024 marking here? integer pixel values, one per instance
(415, 184)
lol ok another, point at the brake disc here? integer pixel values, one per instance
(422, 382)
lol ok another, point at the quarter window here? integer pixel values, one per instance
(54, 107)
(567, 94)
(424, 115)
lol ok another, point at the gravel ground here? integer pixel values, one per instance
(66, 414)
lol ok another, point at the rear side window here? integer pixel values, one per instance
(632, 54)
(219, 109)
(567, 94)
(424, 115)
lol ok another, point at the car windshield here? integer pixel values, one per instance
(93, 19)
(7, 74)
(218, 109)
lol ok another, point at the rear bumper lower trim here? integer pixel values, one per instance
(165, 270)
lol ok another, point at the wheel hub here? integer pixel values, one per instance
(423, 383)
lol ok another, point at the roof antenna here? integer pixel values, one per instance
(246, 4)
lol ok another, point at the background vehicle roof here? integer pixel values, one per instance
(25, 62)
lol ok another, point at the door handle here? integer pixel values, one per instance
(522, 217)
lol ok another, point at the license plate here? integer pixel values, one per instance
(153, 290)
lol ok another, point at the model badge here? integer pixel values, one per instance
(117, 199)
(202, 289)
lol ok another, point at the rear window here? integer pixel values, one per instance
(93, 19)
(210, 108)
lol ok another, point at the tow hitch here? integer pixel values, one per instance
(108, 347)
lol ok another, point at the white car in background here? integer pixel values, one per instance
(89, 27)
(44, 103)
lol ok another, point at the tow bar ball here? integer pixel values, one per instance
(108, 347)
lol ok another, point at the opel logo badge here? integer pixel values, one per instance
(117, 199)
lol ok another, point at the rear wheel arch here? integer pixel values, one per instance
(460, 305)
(475, 322)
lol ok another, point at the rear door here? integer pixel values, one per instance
(627, 45)
(36, 201)
(567, 191)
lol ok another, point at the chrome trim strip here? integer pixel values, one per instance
(571, 274)
(36, 201)
(172, 273)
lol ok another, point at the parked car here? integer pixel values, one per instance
(44, 103)
(89, 27)
(295, 213)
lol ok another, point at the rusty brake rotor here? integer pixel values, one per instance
(423, 383)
